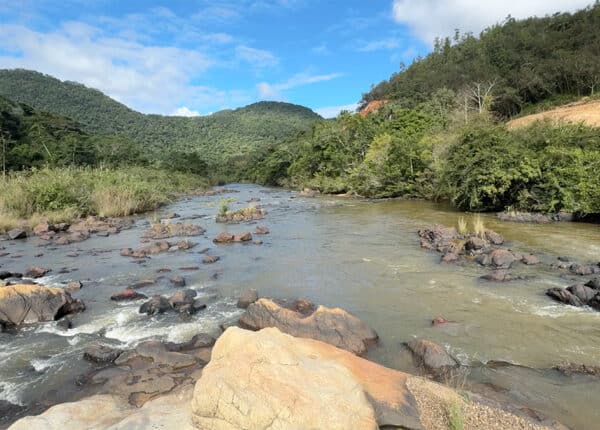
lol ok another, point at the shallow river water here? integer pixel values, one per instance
(362, 256)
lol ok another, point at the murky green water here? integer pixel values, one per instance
(358, 255)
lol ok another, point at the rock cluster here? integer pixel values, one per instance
(63, 233)
(156, 248)
(251, 213)
(168, 229)
(582, 294)
(183, 301)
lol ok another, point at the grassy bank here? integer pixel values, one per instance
(63, 194)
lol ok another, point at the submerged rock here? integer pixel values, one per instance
(210, 259)
(564, 296)
(261, 230)
(334, 326)
(22, 304)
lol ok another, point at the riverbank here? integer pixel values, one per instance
(63, 195)
(358, 255)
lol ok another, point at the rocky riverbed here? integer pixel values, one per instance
(176, 279)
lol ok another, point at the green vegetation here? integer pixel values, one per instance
(455, 415)
(214, 139)
(509, 66)
(63, 194)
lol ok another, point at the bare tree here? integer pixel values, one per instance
(480, 95)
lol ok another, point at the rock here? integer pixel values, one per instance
(437, 321)
(284, 386)
(167, 230)
(127, 294)
(101, 354)
(483, 260)
(530, 260)
(184, 245)
(42, 228)
(258, 242)
(475, 243)
(437, 237)
(577, 369)
(200, 340)
(171, 215)
(582, 292)
(502, 258)
(581, 270)
(493, 237)
(156, 305)
(247, 298)
(305, 307)
(16, 233)
(564, 296)
(64, 323)
(73, 286)
(142, 283)
(524, 217)
(499, 275)
(334, 326)
(210, 259)
(592, 283)
(224, 237)
(177, 281)
(36, 272)
(242, 237)
(182, 298)
(22, 304)
(126, 252)
(595, 302)
(431, 356)
(450, 257)
(261, 230)
(5, 275)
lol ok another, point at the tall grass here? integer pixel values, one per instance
(455, 414)
(478, 226)
(64, 194)
(462, 226)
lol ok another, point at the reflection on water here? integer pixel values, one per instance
(358, 255)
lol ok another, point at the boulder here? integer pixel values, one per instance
(502, 258)
(36, 272)
(200, 340)
(267, 379)
(16, 233)
(167, 230)
(564, 296)
(431, 356)
(592, 283)
(437, 237)
(582, 269)
(22, 304)
(475, 243)
(450, 257)
(127, 294)
(530, 260)
(101, 354)
(242, 237)
(334, 326)
(182, 298)
(177, 281)
(224, 237)
(42, 228)
(500, 275)
(73, 286)
(494, 238)
(583, 293)
(247, 298)
(156, 305)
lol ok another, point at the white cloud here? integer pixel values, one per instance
(379, 45)
(334, 111)
(256, 57)
(439, 18)
(274, 91)
(185, 111)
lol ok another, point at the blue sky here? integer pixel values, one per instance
(197, 57)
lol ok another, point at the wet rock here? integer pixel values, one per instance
(36, 272)
(142, 283)
(581, 269)
(431, 356)
(450, 257)
(73, 286)
(437, 237)
(64, 323)
(22, 304)
(289, 374)
(334, 326)
(475, 243)
(592, 283)
(177, 281)
(261, 230)
(583, 293)
(502, 258)
(101, 354)
(577, 369)
(156, 305)
(302, 306)
(16, 233)
(247, 298)
(182, 298)
(483, 260)
(595, 302)
(494, 238)
(5, 275)
(8, 409)
(210, 259)
(167, 230)
(200, 340)
(127, 294)
(258, 242)
(499, 275)
(564, 296)
(224, 237)
(530, 260)
(242, 237)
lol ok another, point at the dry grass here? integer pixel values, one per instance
(587, 112)
(115, 202)
(478, 226)
(456, 416)
(462, 226)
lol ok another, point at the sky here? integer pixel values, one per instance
(195, 57)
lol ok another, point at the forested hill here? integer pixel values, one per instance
(520, 62)
(221, 136)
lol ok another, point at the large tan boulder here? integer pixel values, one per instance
(331, 325)
(271, 380)
(22, 304)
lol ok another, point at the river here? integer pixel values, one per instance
(362, 256)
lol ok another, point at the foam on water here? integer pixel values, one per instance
(10, 392)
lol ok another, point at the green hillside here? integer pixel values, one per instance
(522, 62)
(215, 138)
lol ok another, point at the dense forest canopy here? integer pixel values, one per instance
(510, 65)
(214, 138)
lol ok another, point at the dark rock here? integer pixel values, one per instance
(16, 233)
(303, 306)
(261, 230)
(189, 268)
(483, 260)
(183, 298)
(592, 283)
(210, 259)
(564, 296)
(247, 298)
(143, 283)
(582, 292)
(164, 270)
(530, 260)
(577, 369)
(595, 302)
(564, 259)
(102, 354)
(127, 294)
(431, 355)
(198, 305)
(178, 281)
(475, 243)
(73, 286)
(502, 258)
(156, 305)
(201, 340)
(437, 237)
(499, 276)
(5, 275)
(450, 257)
(36, 272)
(493, 237)
(581, 270)
(64, 323)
